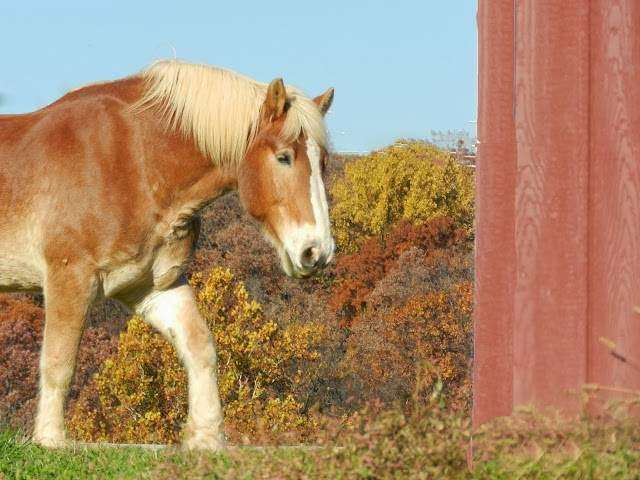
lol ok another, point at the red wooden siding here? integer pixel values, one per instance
(558, 212)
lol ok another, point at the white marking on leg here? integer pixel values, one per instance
(54, 382)
(175, 314)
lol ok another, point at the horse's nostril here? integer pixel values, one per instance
(310, 257)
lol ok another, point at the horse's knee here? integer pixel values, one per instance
(175, 314)
(162, 308)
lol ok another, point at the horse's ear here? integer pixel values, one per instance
(275, 101)
(324, 101)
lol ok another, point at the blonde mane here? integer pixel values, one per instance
(220, 109)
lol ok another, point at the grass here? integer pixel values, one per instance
(20, 459)
(430, 444)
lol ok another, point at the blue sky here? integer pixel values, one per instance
(400, 68)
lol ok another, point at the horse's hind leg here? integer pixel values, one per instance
(175, 314)
(68, 292)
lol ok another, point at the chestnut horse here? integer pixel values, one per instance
(99, 196)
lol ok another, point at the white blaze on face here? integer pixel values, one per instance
(297, 238)
(319, 200)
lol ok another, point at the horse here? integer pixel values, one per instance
(99, 198)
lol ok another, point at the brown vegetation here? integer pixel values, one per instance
(21, 324)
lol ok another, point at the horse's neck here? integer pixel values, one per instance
(187, 179)
(205, 189)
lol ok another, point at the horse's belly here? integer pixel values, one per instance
(17, 274)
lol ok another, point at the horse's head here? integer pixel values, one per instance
(280, 184)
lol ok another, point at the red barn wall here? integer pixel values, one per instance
(558, 209)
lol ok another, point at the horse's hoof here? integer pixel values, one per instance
(51, 441)
(209, 441)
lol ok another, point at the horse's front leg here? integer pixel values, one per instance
(69, 291)
(175, 314)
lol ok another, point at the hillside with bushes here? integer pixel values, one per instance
(388, 321)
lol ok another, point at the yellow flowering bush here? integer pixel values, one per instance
(409, 180)
(140, 394)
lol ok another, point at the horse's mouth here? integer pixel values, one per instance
(291, 269)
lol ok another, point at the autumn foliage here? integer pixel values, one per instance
(439, 247)
(401, 352)
(21, 324)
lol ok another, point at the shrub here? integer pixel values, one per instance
(21, 325)
(140, 393)
(409, 180)
(261, 362)
(437, 247)
(230, 240)
(405, 302)
(131, 397)
(388, 349)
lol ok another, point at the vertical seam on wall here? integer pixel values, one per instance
(513, 56)
(587, 357)
(514, 276)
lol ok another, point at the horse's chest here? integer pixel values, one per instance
(162, 262)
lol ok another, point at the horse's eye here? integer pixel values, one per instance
(284, 158)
